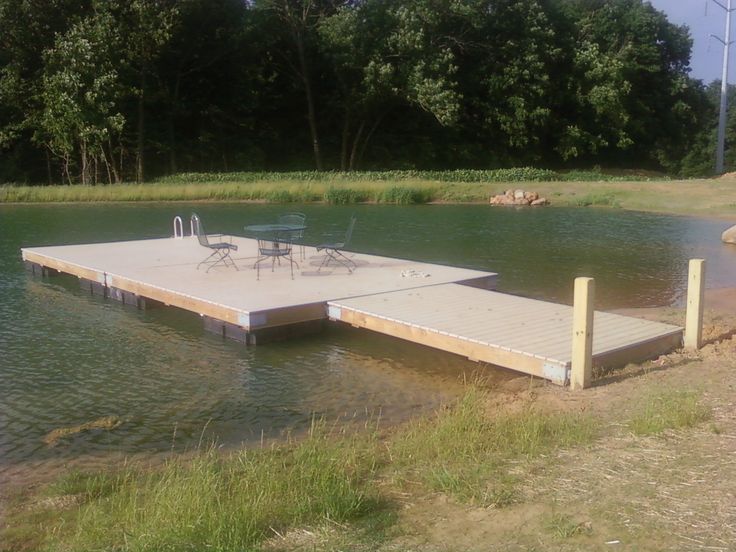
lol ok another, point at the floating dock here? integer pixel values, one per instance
(523, 334)
(449, 308)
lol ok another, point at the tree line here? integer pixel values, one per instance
(97, 91)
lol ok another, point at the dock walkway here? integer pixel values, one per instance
(514, 332)
(445, 307)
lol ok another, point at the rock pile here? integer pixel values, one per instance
(518, 197)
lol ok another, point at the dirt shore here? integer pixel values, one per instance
(676, 491)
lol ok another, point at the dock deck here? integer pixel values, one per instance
(420, 302)
(514, 332)
(165, 270)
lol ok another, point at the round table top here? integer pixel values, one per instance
(275, 227)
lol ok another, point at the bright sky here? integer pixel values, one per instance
(707, 57)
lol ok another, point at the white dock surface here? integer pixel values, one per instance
(420, 302)
(165, 270)
(515, 332)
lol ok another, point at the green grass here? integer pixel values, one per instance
(598, 199)
(397, 187)
(218, 502)
(339, 486)
(464, 453)
(668, 410)
(563, 526)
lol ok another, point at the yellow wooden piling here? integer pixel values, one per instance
(582, 333)
(695, 304)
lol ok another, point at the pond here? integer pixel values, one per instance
(67, 358)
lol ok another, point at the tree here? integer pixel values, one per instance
(81, 93)
(28, 28)
(507, 78)
(300, 19)
(384, 55)
(631, 74)
(147, 26)
(204, 68)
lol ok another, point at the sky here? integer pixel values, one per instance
(706, 62)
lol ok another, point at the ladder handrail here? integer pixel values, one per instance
(193, 221)
(178, 227)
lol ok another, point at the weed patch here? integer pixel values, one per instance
(670, 410)
(466, 454)
(563, 526)
(598, 200)
(234, 502)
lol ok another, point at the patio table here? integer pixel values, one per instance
(274, 233)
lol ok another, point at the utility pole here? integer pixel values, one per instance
(720, 148)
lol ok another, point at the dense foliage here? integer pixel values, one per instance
(111, 90)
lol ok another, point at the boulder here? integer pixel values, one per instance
(518, 197)
(729, 236)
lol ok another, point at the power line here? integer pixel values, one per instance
(721, 145)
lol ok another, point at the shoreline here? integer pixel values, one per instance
(705, 198)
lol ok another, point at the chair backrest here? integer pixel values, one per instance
(199, 229)
(272, 247)
(297, 219)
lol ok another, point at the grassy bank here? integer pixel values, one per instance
(237, 501)
(709, 197)
(345, 488)
(398, 187)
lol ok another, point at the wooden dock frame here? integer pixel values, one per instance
(226, 330)
(155, 278)
(521, 334)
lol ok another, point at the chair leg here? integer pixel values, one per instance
(217, 261)
(222, 257)
(206, 261)
(344, 260)
(325, 260)
(338, 257)
(292, 262)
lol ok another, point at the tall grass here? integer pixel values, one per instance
(669, 410)
(235, 501)
(464, 452)
(218, 502)
(519, 174)
(400, 187)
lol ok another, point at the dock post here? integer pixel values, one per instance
(582, 333)
(695, 304)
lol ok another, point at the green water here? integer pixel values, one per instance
(67, 358)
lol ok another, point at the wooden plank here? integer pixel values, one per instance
(186, 302)
(63, 266)
(500, 328)
(477, 352)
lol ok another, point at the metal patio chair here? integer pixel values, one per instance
(334, 251)
(220, 250)
(295, 236)
(275, 248)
